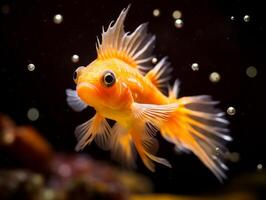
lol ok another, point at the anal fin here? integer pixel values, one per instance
(122, 146)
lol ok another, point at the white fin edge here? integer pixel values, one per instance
(98, 128)
(153, 113)
(74, 101)
(160, 74)
(173, 92)
(135, 48)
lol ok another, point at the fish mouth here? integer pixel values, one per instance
(85, 85)
(86, 91)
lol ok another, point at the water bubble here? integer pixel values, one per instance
(195, 67)
(177, 14)
(58, 18)
(75, 58)
(178, 23)
(214, 77)
(246, 18)
(31, 67)
(231, 111)
(154, 60)
(156, 12)
(259, 166)
(251, 71)
(33, 114)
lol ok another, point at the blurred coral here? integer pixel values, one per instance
(51, 175)
(45, 174)
(233, 196)
(26, 144)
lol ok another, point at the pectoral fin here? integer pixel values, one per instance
(152, 113)
(74, 101)
(98, 128)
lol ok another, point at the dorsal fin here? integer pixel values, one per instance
(160, 74)
(135, 48)
(174, 91)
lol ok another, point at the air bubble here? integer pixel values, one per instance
(246, 18)
(195, 67)
(154, 60)
(179, 23)
(215, 77)
(58, 19)
(231, 111)
(156, 12)
(177, 14)
(33, 114)
(259, 167)
(31, 67)
(251, 71)
(75, 58)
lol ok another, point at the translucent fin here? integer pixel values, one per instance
(149, 117)
(160, 74)
(146, 145)
(153, 114)
(174, 91)
(201, 128)
(98, 128)
(134, 49)
(74, 101)
(122, 146)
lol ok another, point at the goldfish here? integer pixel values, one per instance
(122, 85)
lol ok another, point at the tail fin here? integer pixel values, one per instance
(201, 128)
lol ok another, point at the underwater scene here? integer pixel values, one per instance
(132, 100)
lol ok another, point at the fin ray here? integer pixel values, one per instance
(96, 128)
(148, 118)
(152, 113)
(160, 74)
(122, 146)
(173, 92)
(135, 48)
(200, 127)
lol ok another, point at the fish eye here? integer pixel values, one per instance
(109, 78)
(76, 73)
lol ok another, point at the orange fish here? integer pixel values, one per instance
(118, 85)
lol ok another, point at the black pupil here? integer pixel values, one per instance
(75, 75)
(109, 78)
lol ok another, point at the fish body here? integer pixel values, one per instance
(119, 87)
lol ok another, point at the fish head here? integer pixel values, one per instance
(100, 86)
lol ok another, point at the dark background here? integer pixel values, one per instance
(208, 37)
